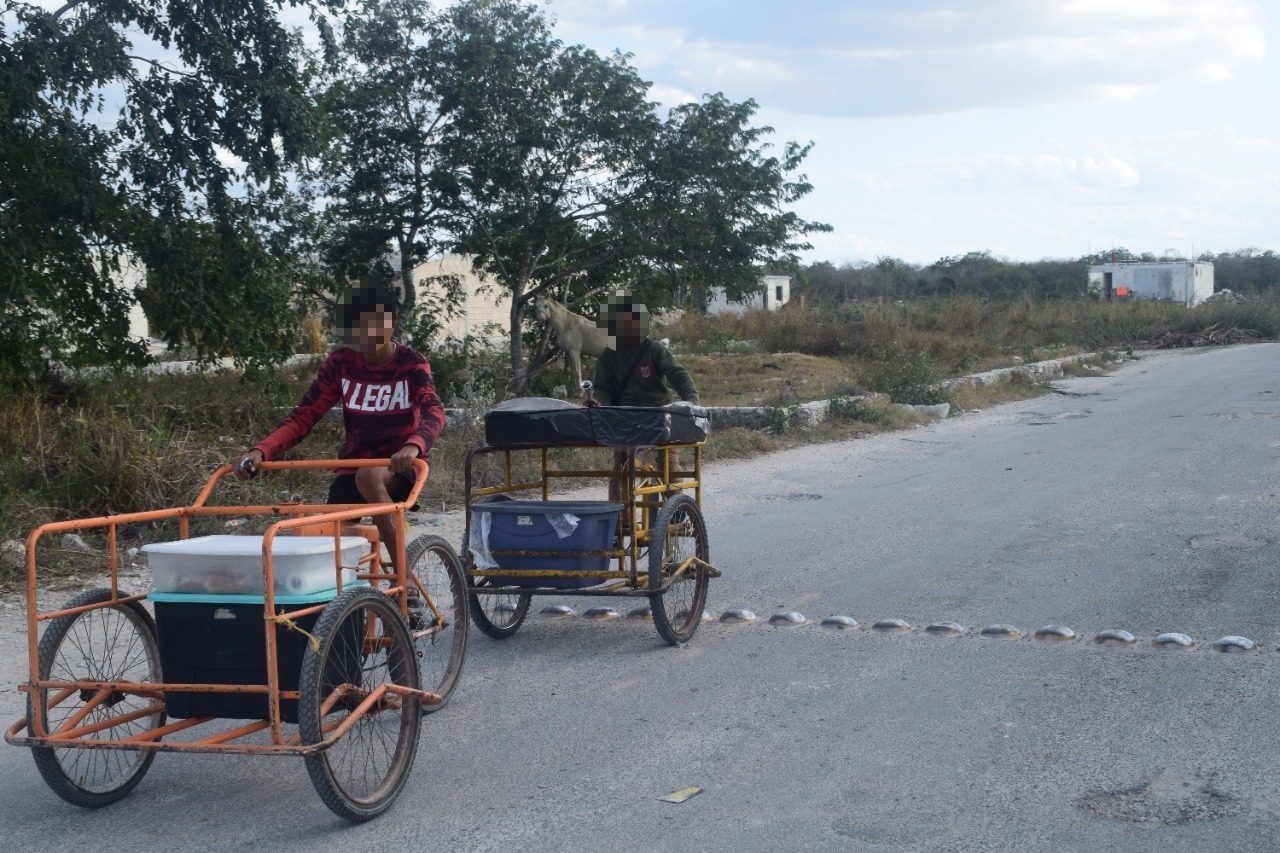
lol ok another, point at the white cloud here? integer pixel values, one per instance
(913, 57)
(671, 96)
(993, 173)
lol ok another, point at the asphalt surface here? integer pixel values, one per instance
(1145, 500)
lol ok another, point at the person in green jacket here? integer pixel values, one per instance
(636, 371)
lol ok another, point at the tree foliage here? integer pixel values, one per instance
(715, 204)
(382, 170)
(569, 182)
(170, 151)
(545, 143)
(63, 214)
(973, 274)
(467, 128)
(1247, 271)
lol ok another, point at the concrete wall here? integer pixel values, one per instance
(483, 302)
(133, 276)
(774, 292)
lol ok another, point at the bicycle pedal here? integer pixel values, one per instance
(418, 617)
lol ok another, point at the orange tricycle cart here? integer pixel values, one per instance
(302, 641)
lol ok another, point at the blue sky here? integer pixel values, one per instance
(1028, 128)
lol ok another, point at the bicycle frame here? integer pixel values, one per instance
(297, 517)
(642, 493)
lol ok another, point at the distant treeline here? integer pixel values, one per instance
(1245, 271)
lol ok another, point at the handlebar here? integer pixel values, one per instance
(420, 469)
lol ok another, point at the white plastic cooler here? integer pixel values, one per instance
(232, 565)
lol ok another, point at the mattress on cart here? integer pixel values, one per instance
(631, 426)
(541, 421)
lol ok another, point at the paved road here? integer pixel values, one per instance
(1143, 501)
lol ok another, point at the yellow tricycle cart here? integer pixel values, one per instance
(648, 541)
(302, 641)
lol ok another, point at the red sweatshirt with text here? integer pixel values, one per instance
(384, 406)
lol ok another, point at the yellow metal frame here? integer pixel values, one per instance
(643, 489)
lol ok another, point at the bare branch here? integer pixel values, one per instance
(155, 63)
(67, 8)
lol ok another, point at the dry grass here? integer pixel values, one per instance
(133, 442)
(1018, 387)
(777, 379)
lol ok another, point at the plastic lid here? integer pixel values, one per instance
(549, 507)
(210, 598)
(225, 545)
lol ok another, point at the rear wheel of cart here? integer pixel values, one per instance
(437, 568)
(499, 615)
(116, 643)
(364, 644)
(679, 533)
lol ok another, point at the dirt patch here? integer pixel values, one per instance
(1168, 799)
(1227, 540)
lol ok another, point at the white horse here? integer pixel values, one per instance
(576, 335)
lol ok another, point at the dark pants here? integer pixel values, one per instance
(643, 458)
(343, 489)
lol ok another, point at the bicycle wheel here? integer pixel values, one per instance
(499, 616)
(678, 534)
(364, 643)
(116, 643)
(440, 652)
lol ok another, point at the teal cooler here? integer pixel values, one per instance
(221, 639)
(527, 526)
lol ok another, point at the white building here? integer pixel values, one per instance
(134, 278)
(774, 292)
(481, 314)
(1185, 282)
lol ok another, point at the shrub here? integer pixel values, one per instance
(907, 379)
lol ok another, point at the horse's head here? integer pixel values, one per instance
(541, 309)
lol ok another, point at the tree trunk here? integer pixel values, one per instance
(408, 290)
(519, 377)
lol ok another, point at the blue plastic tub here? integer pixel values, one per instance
(528, 526)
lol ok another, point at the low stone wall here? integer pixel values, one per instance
(1049, 369)
(816, 411)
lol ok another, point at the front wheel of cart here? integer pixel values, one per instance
(679, 534)
(442, 614)
(364, 647)
(115, 643)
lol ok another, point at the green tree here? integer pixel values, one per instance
(382, 170)
(544, 143)
(63, 215)
(1244, 270)
(714, 206)
(181, 143)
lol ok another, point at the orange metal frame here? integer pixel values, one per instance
(299, 518)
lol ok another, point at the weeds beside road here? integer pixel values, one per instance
(135, 441)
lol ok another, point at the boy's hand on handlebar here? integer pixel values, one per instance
(402, 460)
(247, 466)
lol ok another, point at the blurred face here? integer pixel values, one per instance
(372, 332)
(633, 325)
